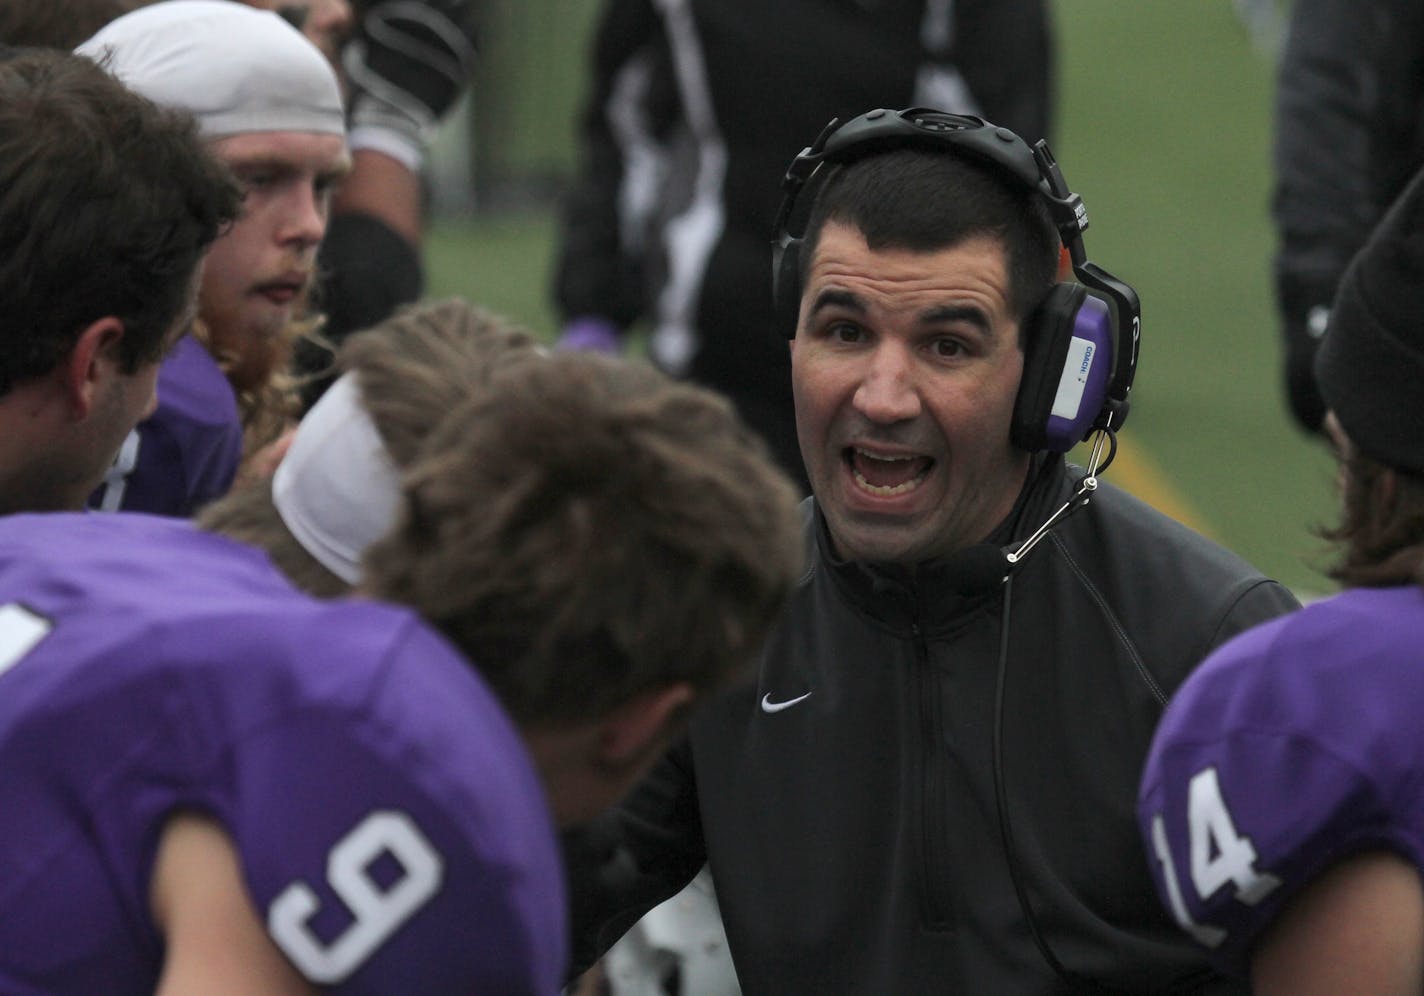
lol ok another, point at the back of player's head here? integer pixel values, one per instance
(1371, 373)
(337, 489)
(586, 530)
(419, 365)
(233, 67)
(924, 201)
(60, 24)
(107, 204)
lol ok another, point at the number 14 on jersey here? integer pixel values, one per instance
(1219, 856)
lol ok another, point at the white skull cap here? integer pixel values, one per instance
(233, 67)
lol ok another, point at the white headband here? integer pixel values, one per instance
(337, 488)
(234, 68)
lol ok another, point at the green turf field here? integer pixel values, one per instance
(1165, 131)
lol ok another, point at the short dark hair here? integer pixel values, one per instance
(58, 24)
(107, 204)
(586, 529)
(925, 201)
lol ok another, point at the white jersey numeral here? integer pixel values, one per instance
(1219, 856)
(20, 630)
(1209, 936)
(376, 913)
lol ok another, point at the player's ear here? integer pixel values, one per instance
(94, 358)
(644, 724)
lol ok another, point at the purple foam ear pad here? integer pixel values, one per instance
(1082, 389)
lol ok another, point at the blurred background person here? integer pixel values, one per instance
(1349, 133)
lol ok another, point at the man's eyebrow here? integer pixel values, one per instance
(833, 298)
(949, 313)
(937, 315)
(285, 167)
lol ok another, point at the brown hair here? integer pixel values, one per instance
(418, 366)
(1380, 536)
(412, 369)
(585, 529)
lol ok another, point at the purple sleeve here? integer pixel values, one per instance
(408, 852)
(1278, 757)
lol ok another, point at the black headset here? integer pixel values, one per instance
(1081, 341)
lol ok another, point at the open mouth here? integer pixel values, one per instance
(887, 476)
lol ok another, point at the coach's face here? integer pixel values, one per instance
(259, 272)
(905, 367)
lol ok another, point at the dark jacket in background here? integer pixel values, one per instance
(1349, 122)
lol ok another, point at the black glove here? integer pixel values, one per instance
(408, 63)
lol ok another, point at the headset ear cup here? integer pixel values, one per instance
(1048, 332)
(786, 285)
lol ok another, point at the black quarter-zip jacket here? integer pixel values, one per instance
(846, 800)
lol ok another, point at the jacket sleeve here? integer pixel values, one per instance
(1349, 132)
(633, 857)
(630, 106)
(1261, 601)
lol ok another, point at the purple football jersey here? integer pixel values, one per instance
(392, 830)
(186, 453)
(1292, 746)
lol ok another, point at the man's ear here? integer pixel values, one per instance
(94, 358)
(645, 723)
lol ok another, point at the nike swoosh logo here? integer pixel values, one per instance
(769, 706)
